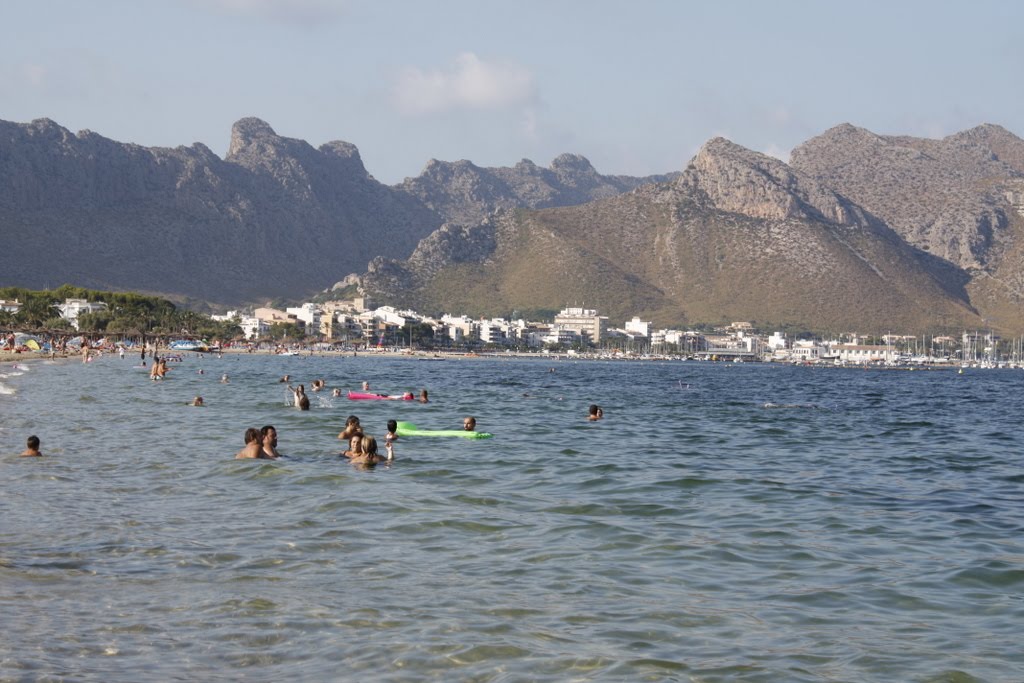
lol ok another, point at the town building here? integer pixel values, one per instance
(72, 308)
(585, 322)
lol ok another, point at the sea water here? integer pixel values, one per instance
(723, 522)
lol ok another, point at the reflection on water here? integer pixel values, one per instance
(722, 523)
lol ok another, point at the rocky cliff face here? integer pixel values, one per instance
(945, 196)
(275, 217)
(464, 193)
(737, 236)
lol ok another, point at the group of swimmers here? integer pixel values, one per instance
(260, 443)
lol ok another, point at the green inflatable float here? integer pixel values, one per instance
(409, 429)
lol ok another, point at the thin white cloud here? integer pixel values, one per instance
(470, 83)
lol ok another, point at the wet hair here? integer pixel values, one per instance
(351, 419)
(251, 434)
(368, 445)
(265, 429)
(594, 409)
(392, 426)
(33, 442)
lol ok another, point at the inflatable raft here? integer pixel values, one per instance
(363, 396)
(409, 429)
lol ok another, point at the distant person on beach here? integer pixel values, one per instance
(32, 450)
(268, 437)
(469, 424)
(595, 412)
(423, 396)
(120, 352)
(253, 447)
(85, 351)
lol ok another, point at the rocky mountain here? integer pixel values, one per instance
(275, 217)
(461, 192)
(959, 198)
(737, 236)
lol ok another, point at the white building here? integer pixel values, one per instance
(308, 313)
(585, 322)
(639, 328)
(10, 306)
(253, 327)
(777, 341)
(72, 308)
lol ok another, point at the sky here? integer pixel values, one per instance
(636, 86)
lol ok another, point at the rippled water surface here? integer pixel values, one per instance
(722, 523)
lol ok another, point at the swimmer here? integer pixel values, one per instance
(367, 454)
(200, 371)
(352, 428)
(286, 378)
(595, 412)
(120, 352)
(423, 396)
(407, 396)
(253, 447)
(469, 424)
(32, 450)
(224, 378)
(268, 437)
(336, 393)
(198, 402)
(366, 386)
(317, 385)
(392, 434)
(301, 400)
(355, 447)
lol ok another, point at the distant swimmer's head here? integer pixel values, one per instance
(32, 442)
(595, 412)
(366, 386)
(469, 424)
(252, 434)
(392, 426)
(423, 396)
(197, 401)
(336, 392)
(269, 436)
(368, 445)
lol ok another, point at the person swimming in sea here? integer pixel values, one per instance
(32, 448)
(367, 454)
(253, 445)
(595, 412)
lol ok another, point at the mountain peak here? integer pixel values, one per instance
(246, 130)
(574, 163)
(740, 180)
